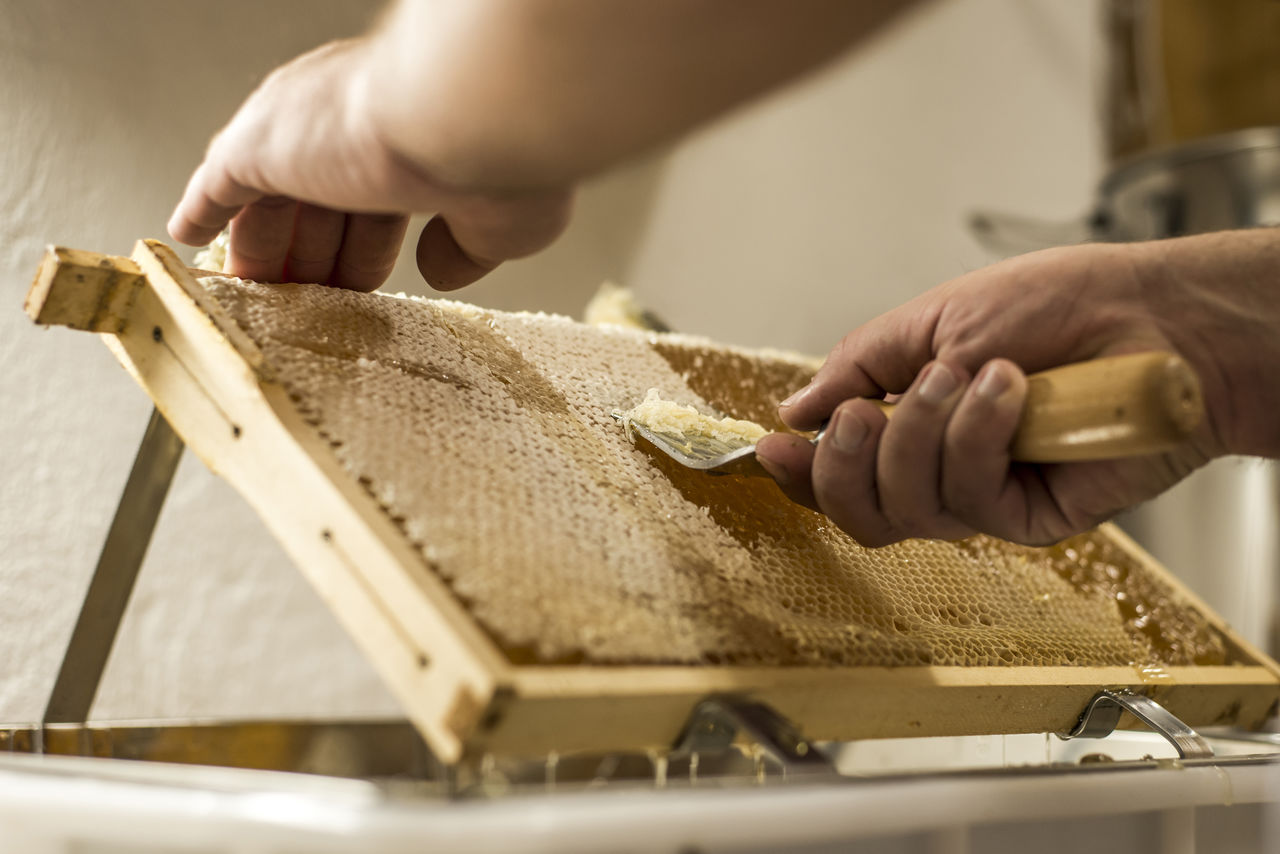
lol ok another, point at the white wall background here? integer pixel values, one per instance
(784, 225)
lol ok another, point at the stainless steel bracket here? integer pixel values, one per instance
(1100, 716)
(113, 578)
(717, 722)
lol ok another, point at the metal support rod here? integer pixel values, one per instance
(113, 578)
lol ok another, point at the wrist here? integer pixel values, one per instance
(1217, 298)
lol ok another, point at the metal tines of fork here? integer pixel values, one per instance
(702, 453)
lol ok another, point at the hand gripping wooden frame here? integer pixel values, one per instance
(461, 692)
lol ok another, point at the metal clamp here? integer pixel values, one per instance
(1100, 716)
(717, 721)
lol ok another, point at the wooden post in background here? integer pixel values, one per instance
(1183, 69)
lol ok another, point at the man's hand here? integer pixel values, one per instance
(486, 113)
(958, 354)
(313, 193)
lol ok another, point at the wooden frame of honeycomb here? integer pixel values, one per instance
(469, 686)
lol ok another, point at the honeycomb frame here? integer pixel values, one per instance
(462, 689)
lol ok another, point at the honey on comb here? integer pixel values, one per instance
(734, 382)
(487, 438)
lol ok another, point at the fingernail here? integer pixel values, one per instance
(797, 397)
(848, 432)
(938, 383)
(775, 471)
(993, 382)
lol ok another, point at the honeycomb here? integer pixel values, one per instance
(487, 437)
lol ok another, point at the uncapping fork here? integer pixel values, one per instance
(1118, 406)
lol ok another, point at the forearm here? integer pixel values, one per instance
(539, 93)
(1217, 297)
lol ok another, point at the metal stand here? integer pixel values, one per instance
(1100, 716)
(717, 721)
(113, 578)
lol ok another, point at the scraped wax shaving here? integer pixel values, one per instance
(676, 420)
(487, 438)
(214, 256)
(614, 305)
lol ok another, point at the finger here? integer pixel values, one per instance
(908, 468)
(463, 245)
(844, 474)
(788, 459)
(1030, 504)
(317, 237)
(260, 237)
(370, 246)
(976, 484)
(212, 198)
(881, 356)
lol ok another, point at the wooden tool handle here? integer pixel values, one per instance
(1119, 406)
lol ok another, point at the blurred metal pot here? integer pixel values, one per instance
(1231, 180)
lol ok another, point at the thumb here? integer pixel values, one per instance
(461, 246)
(882, 356)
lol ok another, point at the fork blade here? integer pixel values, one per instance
(702, 453)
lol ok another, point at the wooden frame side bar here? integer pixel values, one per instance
(203, 373)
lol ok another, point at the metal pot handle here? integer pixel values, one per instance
(1013, 234)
